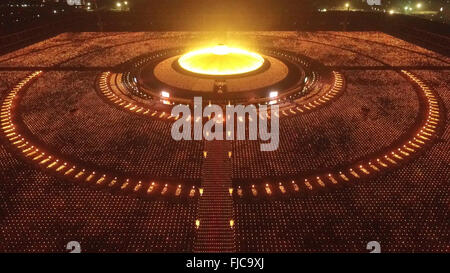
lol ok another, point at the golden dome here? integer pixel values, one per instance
(221, 60)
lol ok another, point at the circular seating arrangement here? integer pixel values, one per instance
(362, 147)
(279, 175)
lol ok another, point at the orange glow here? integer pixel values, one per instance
(221, 60)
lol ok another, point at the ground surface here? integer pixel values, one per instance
(406, 209)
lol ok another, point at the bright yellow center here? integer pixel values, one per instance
(221, 60)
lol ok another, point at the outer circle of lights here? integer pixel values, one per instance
(392, 157)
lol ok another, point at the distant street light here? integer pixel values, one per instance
(419, 5)
(347, 5)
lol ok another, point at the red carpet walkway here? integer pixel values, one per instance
(215, 208)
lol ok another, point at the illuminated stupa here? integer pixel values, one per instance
(220, 74)
(221, 60)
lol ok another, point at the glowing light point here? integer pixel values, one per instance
(220, 49)
(165, 94)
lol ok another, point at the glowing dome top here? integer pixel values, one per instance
(221, 60)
